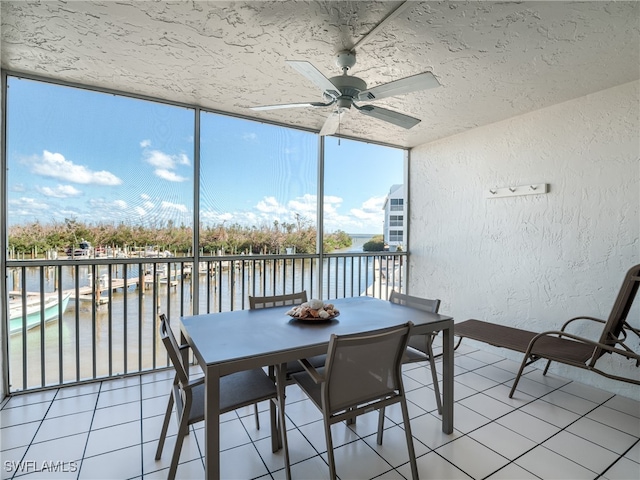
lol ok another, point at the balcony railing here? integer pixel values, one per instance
(73, 321)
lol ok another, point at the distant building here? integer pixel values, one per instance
(394, 218)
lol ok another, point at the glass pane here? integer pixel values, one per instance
(258, 192)
(258, 200)
(112, 170)
(359, 180)
(362, 186)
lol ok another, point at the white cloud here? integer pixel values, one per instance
(252, 137)
(169, 175)
(366, 218)
(121, 204)
(159, 159)
(270, 205)
(370, 210)
(306, 204)
(215, 218)
(29, 209)
(175, 206)
(54, 165)
(165, 164)
(144, 196)
(140, 211)
(61, 191)
(148, 205)
(145, 143)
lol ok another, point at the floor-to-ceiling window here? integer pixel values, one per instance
(90, 175)
(358, 181)
(120, 208)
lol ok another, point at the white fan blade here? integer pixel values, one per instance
(291, 105)
(399, 119)
(422, 81)
(313, 74)
(331, 124)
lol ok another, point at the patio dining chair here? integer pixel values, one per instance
(284, 300)
(363, 372)
(236, 391)
(420, 347)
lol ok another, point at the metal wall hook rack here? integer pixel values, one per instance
(531, 189)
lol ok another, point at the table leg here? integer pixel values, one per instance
(212, 423)
(447, 379)
(276, 440)
(282, 385)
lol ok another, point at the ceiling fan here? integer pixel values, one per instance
(344, 91)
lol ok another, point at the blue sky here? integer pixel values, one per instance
(96, 157)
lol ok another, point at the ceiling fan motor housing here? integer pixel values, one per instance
(350, 87)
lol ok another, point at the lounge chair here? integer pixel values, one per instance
(562, 346)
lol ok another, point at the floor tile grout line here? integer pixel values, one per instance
(84, 451)
(619, 458)
(541, 444)
(22, 459)
(142, 459)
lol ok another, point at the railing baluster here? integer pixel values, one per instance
(125, 316)
(58, 286)
(141, 288)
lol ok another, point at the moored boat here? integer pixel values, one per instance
(32, 316)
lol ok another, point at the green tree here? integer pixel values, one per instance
(376, 244)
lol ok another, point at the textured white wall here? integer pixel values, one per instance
(533, 261)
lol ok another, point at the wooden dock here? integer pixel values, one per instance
(86, 293)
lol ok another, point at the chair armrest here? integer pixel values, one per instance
(593, 319)
(310, 369)
(609, 348)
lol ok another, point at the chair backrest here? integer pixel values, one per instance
(364, 367)
(424, 304)
(615, 323)
(173, 349)
(277, 300)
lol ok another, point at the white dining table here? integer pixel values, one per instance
(229, 342)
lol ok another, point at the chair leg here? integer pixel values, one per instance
(183, 430)
(380, 425)
(282, 427)
(409, 436)
(165, 427)
(332, 461)
(546, 369)
(434, 374)
(255, 412)
(515, 382)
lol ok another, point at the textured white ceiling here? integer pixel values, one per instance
(494, 60)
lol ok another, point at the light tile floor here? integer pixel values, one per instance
(553, 428)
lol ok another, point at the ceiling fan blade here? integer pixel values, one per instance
(291, 105)
(422, 81)
(399, 119)
(313, 74)
(331, 124)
